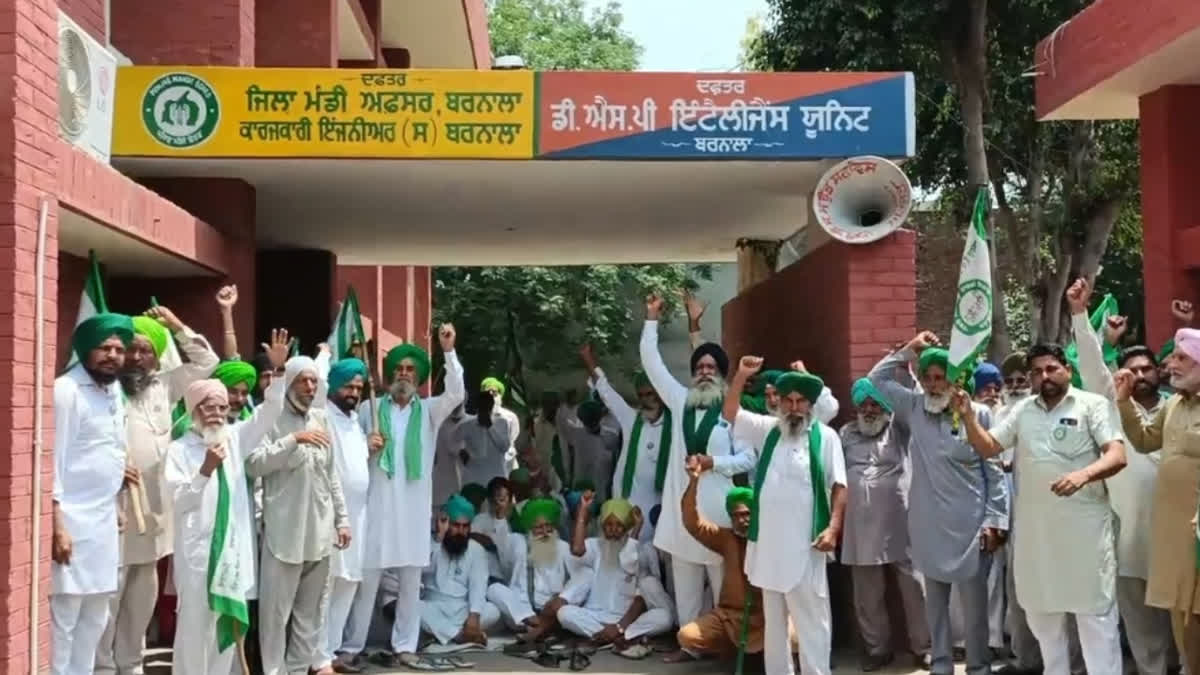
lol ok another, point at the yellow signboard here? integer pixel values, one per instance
(182, 111)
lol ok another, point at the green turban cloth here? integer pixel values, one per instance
(757, 386)
(96, 329)
(344, 371)
(754, 404)
(641, 381)
(537, 509)
(1167, 350)
(933, 356)
(739, 495)
(153, 331)
(458, 508)
(233, 373)
(806, 384)
(621, 509)
(407, 351)
(474, 493)
(520, 477)
(493, 384)
(770, 377)
(863, 390)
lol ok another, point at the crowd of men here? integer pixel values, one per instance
(310, 510)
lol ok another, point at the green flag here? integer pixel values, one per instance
(347, 329)
(972, 327)
(1099, 317)
(227, 585)
(92, 301)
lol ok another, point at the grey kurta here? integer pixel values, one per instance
(302, 496)
(955, 494)
(877, 477)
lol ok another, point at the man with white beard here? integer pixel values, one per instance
(304, 518)
(352, 449)
(953, 487)
(696, 423)
(400, 495)
(543, 570)
(799, 487)
(625, 605)
(875, 539)
(205, 478)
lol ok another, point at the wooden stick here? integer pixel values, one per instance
(241, 647)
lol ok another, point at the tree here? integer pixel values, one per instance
(1059, 187)
(560, 35)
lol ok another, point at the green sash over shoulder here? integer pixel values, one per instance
(631, 454)
(696, 438)
(816, 470)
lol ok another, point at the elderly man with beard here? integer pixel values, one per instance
(304, 517)
(214, 563)
(1066, 442)
(875, 539)
(953, 487)
(696, 428)
(495, 389)
(625, 605)
(543, 571)
(399, 498)
(641, 468)
(352, 449)
(89, 470)
(1173, 583)
(151, 390)
(454, 606)
(799, 486)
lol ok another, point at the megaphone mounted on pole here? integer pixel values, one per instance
(862, 199)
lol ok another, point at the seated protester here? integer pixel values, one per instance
(542, 567)
(491, 530)
(737, 621)
(624, 604)
(454, 606)
(543, 481)
(475, 493)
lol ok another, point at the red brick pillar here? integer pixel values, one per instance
(1170, 154)
(175, 32)
(28, 175)
(396, 302)
(297, 33)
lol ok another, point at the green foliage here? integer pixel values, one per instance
(561, 35)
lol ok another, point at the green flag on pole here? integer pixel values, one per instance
(1099, 317)
(347, 329)
(227, 585)
(972, 327)
(92, 301)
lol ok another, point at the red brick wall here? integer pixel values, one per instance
(218, 33)
(89, 14)
(838, 309)
(28, 168)
(296, 33)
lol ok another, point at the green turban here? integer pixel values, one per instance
(344, 371)
(537, 509)
(739, 495)
(1166, 351)
(475, 493)
(621, 509)
(757, 386)
(233, 373)
(770, 377)
(933, 356)
(153, 331)
(754, 404)
(641, 381)
(96, 329)
(806, 384)
(520, 476)
(493, 384)
(458, 508)
(407, 351)
(863, 390)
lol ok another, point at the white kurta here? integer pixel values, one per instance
(613, 584)
(670, 535)
(399, 511)
(513, 423)
(195, 504)
(89, 468)
(488, 451)
(350, 459)
(1063, 535)
(454, 589)
(642, 492)
(500, 563)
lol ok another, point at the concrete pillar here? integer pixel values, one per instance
(1170, 154)
(297, 33)
(184, 32)
(28, 175)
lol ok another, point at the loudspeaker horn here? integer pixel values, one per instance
(862, 199)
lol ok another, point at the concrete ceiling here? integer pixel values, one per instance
(433, 31)
(123, 254)
(516, 212)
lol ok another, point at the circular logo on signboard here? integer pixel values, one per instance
(974, 307)
(180, 110)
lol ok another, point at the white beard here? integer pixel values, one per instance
(874, 427)
(791, 427)
(610, 551)
(1189, 381)
(936, 404)
(543, 553)
(214, 434)
(706, 394)
(1011, 397)
(402, 389)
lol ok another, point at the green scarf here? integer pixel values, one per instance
(631, 455)
(696, 439)
(233, 612)
(556, 461)
(820, 516)
(412, 439)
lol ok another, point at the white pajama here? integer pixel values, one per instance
(514, 607)
(341, 599)
(291, 609)
(997, 601)
(688, 580)
(443, 617)
(406, 630)
(196, 653)
(77, 622)
(810, 614)
(1098, 635)
(130, 610)
(588, 622)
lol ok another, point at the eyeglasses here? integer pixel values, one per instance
(1015, 381)
(213, 408)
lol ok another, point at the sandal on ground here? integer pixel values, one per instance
(579, 661)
